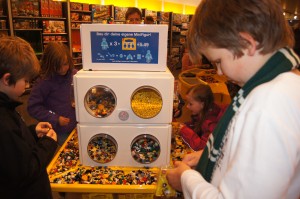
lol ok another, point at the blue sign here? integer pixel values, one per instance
(125, 47)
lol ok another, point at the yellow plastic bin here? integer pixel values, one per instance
(97, 196)
(189, 78)
(61, 171)
(134, 196)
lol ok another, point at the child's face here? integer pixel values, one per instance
(194, 106)
(235, 69)
(15, 91)
(134, 18)
(64, 69)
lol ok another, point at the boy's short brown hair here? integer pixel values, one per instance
(218, 23)
(17, 58)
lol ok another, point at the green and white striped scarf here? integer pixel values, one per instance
(282, 61)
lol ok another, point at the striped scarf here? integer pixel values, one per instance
(282, 61)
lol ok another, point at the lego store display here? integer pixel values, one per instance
(124, 105)
(67, 173)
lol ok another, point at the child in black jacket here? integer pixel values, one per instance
(24, 152)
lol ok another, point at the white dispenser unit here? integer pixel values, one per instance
(124, 106)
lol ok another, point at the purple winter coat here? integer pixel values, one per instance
(50, 98)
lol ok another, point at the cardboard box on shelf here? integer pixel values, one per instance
(75, 6)
(44, 8)
(74, 16)
(25, 8)
(54, 26)
(85, 7)
(100, 12)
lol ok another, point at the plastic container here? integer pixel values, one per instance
(196, 76)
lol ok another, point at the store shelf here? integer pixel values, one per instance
(45, 42)
(120, 21)
(55, 33)
(40, 18)
(81, 21)
(81, 11)
(34, 29)
(31, 24)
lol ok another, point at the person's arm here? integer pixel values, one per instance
(37, 107)
(192, 139)
(23, 160)
(33, 132)
(192, 181)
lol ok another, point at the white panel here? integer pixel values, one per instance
(123, 84)
(124, 136)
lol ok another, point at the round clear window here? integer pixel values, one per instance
(145, 149)
(100, 101)
(146, 102)
(102, 148)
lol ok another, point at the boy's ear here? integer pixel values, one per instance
(251, 43)
(5, 79)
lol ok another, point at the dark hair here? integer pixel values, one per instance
(17, 58)
(132, 10)
(218, 23)
(202, 93)
(54, 56)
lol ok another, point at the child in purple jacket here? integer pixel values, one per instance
(50, 97)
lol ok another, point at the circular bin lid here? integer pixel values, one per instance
(100, 101)
(102, 148)
(146, 102)
(145, 148)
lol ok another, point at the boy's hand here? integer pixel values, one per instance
(42, 128)
(51, 133)
(174, 175)
(192, 159)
